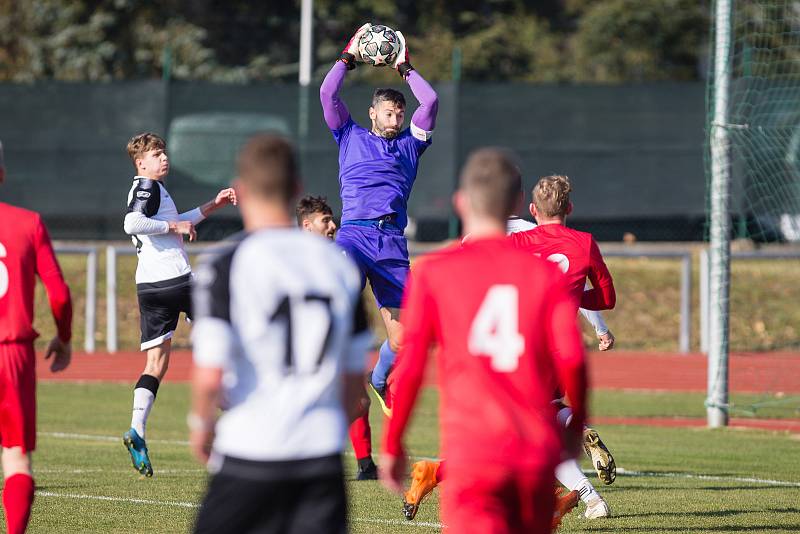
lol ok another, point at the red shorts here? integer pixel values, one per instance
(500, 500)
(18, 396)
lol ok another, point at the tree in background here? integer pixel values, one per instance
(240, 41)
(637, 40)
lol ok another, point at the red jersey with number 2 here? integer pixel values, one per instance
(577, 256)
(506, 330)
(25, 251)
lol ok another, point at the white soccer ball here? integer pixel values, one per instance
(379, 46)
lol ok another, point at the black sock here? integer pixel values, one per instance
(365, 463)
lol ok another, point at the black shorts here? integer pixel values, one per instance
(160, 304)
(288, 497)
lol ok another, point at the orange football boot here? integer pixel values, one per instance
(564, 505)
(423, 481)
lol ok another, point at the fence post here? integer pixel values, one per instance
(91, 300)
(686, 304)
(111, 299)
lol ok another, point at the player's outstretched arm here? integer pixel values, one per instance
(206, 389)
(57, 293)
(425, 116)
(333, 109)
(418, 323)
(214, 347)
(602, 296)
(595, 318)
(224, 197)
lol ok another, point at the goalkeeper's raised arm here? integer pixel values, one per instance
(334, 109)
(424, 119)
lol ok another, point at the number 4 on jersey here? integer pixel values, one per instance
(3, 272)
(495, 329)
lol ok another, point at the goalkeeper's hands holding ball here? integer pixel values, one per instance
(402, 63)
(350, 55)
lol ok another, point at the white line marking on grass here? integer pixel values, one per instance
(396, 522)
(180, 504)
(73, 471)
(620, 471)
(96, 437)
(750, 480)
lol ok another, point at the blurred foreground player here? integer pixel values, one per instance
(316, 216)
(25, 251)
(163, 274)
(377, 169)
(506, 331)
(280, 334)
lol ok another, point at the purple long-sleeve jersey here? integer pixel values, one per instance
(376, 174)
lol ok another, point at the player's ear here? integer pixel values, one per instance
(460, 204)
(372, 113)
(532, 209)
(2, 174)
(306, 224)
(569, 208)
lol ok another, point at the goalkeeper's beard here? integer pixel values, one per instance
(386, 133)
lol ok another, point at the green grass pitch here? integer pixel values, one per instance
(85, 482)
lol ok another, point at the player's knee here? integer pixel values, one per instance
(16, 462)
(394, 342)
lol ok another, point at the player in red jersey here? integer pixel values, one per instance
(25, 251)
(576, 253)
(506, 329)
(579, 257)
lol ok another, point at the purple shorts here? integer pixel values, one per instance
(382, 257)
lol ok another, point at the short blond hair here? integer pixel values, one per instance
(144, 142)
(492, 181)
(551, 195)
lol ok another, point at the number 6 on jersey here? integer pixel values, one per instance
(495, 329)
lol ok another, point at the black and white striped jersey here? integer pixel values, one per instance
(279, 310)
(150, 210)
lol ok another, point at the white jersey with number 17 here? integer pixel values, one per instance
(280, 312)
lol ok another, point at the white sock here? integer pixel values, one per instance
(142, 404)
(570, 475)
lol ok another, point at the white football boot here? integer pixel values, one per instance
(597, 508)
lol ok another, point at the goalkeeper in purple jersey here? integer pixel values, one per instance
(377, 169)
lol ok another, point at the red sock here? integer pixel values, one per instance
(361, 437)
(440, 472)
(17, 501)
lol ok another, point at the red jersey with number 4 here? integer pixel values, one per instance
(506, 330)
(578, 256)
(25, 251)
